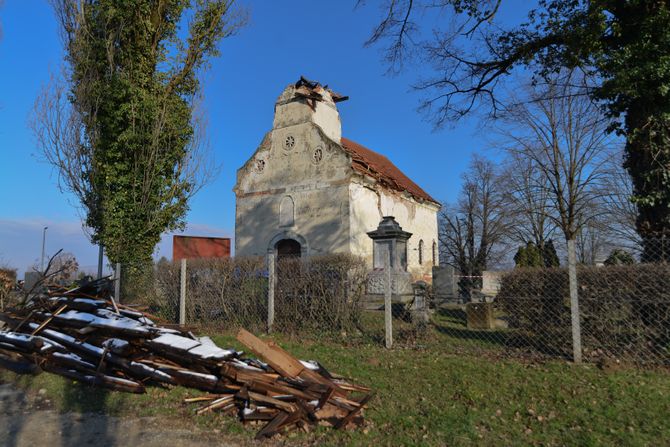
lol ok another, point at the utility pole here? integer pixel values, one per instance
(44, 239)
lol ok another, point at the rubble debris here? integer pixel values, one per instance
(83, 335)
(313, 90)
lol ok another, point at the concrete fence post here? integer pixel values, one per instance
(388, 306)
(100, 256)
(574, 304)
(272, 281)
(117, 282)
(182, 294)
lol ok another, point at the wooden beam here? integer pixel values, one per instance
(280, 360)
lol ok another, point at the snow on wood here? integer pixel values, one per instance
(83, 338)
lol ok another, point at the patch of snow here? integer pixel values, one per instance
(211, 352)
(17, 336)
(246, 366)
(67, 340)
(152, 372)
(115, 344)
(206, 341)
(146, 321)
(176, 341)
(310, 364)
(91, 301)
(210, 377)
(74, 358)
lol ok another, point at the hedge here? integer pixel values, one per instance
(624, 310)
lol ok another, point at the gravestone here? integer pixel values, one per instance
(445, 285)
(480, 315)
(390, 241)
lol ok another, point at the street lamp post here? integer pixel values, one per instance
(44, 239)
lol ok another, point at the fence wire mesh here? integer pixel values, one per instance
(624, 311)
(624, 306)
(318, 295)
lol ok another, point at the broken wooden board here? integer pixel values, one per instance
(280, 360)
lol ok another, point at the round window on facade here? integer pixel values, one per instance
(289, 142)
(317, 155)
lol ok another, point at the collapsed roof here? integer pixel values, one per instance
(369, 162)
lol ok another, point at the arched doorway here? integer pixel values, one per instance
(288, 248)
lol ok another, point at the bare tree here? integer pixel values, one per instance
(592, 242)
(620, 211)
(472, 230)
(63, 268)
(562, 135)
(527, 201)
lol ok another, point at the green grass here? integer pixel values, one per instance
(428, 396)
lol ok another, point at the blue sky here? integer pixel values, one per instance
(284, 39)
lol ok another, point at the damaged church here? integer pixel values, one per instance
(308, 191)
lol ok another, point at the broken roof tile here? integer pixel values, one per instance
(367, 161)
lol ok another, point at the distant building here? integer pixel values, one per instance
(195, 247)
(307, 190)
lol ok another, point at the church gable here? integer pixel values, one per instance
(295, 157)
(301, 151)
(305, 147)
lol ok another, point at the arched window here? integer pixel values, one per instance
(421, 252)
(286, 212)
(434, 253)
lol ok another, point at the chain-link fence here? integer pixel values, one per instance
(318, 295)
(618, 311)
(408, 320)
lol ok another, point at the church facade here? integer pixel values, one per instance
(309, 191)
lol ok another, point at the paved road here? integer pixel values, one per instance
(29, 422)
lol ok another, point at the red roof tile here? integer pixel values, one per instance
(369, 162)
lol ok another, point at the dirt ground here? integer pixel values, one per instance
(28, 420)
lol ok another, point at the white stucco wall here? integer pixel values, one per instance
(290, 112)
(367, 207)
(317, 185)
(334, 208)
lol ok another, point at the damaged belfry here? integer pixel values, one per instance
(307, 190)
(82, 335)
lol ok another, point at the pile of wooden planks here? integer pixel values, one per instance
(84, 335)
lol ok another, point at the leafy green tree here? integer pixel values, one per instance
(529, 256)
(123, 134)
(622, 47)
(549, 256)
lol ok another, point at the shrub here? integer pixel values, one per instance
(624, 309)
(317, 293)
(323, 293)
(225, 293)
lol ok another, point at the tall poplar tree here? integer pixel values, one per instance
(121, 128)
